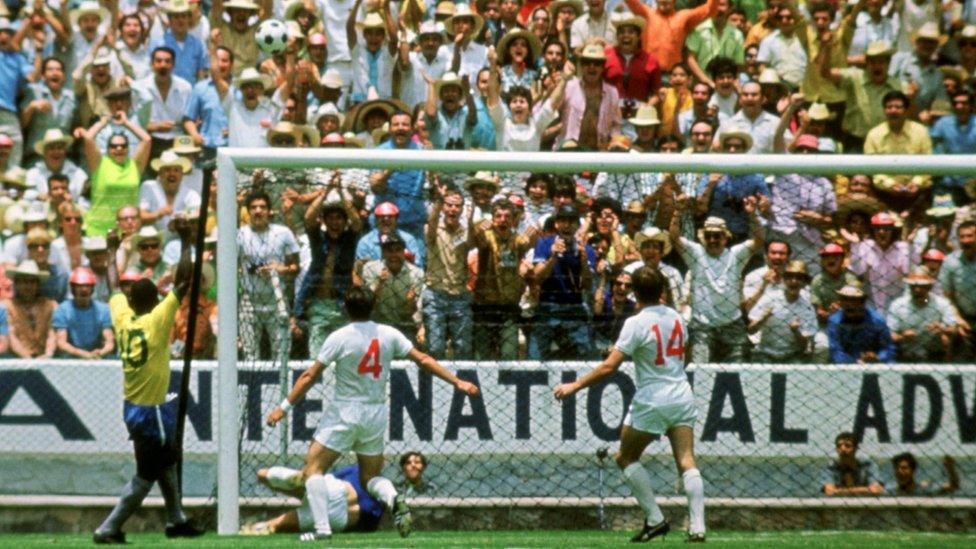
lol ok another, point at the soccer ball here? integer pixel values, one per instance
(272, 36)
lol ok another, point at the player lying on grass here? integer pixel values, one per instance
(350, 507)
(663, 403)
(356, 418)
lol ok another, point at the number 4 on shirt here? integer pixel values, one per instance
(676, 343)
(370, 363)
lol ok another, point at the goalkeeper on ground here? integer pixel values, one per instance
(350, 508)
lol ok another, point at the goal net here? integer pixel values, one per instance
(769, 408)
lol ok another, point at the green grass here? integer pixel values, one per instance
(521, 538)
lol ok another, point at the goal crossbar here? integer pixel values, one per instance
(229, 160)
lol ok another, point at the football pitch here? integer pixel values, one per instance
(518, 538)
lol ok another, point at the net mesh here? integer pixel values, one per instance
(769, 406)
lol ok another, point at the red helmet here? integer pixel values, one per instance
(832, 249)
(130, 275)
(933, 254)
(387, 208)
(882, 219)
(83, 276)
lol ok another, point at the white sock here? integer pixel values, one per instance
(318, 499)
(636, 476)
(695, 490)
(382, 489)
(283, 478)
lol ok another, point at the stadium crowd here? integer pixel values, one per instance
(111, 114)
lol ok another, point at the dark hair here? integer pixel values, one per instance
(142, 24)
(563, 185)
(969, 223)
(407, 455)
(57, 177)
(596, 238)
(257, 194)
(669, 138)
(47, 60)
(502, 205)
(712, 123)
(519, 91)
(896, 94)
(400, 112)
(771, 241)
(144, 296)
(117, 134)
(539, 177)
(819, 7)
(504, 58)
(738, 11)
(648, 284)
(359, 303)
(682, 65)
(605, 202)
(554, 41)
(229, 51)
(905, 456)
(847, 435)
(721, 65)
(167, 49)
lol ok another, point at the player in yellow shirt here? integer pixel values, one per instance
(142, 326)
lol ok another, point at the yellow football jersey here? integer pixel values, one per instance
(144, 348)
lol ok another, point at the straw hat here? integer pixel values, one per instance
(332, 79)
(620, 19)
(879, 48)
(52, 136)
(147, 232)
(170, 158)
(118, 92)
(797, 266)
(851, 292)
(251, 75)
(356, 119)
(86, 8)
(183, 144)
(353, 141)
(714, 225)
(919, 276)
(482, 178)
(942, 206)
(327, 109)
(28, 268)
(733, 133)
(241, 5)
(557, 5)
(445, 9)
(769, 77)
(654, 234)
(593, 51)
(177, 6)
(646, 116)
(431, 28)
(929, 31)
(535, 47)
(94, 244)
(635, 207)
(291, 11)
(448, 79)
(819, 111)
(462, 11)
(36, 213)
(955, 72)
(373, 20)
(857, 202)
(297, 131)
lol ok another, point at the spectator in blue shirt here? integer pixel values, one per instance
(192, 62)
(564, 268)
(858, 334)
(83, 326)
(368, 247)
(405, 188)
(14, 70)
(721, 195)
(205, 119)
(955, 135)
(4, 331)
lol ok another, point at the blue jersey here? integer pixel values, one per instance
(370, 510)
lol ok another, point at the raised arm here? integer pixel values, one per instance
(141, 155)
(93, 156)
(184, 269)
(351, 37)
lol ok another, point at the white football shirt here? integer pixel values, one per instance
(362, 353)
(655, 340)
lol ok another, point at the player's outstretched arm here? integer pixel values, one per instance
(429, 364)
(304, 382)
(609, 365)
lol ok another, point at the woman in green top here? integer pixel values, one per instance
(114, 176)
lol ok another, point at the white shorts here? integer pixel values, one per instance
(353, 426)
(657, 419)
(338, 507)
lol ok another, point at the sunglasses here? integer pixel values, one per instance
(592, 63)
(149, 246)
(621, 284)
(71, 219)
(118, 145)
(38, 246)
(126, 218)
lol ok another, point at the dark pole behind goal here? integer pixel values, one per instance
(191, 323)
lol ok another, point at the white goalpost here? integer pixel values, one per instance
(231, 160)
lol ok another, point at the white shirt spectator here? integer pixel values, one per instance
(510, 136)
(152, 198)
(171, 108)
(414, 87)
(259, 249)
(762, 129)
(715, 282)
(776, 337)
(249, 128)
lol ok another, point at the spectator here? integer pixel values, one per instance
(13, 77)
(595, 23)
(127, 225)
(783, 50)
(66, 249)
(33, 216)
(958, 281)
(53, 150)
(132, 46)
(721, 196)
(205, 330)
(55, 285)
(386, 214)
(832, 277)
(372, 63)
(625, 187)
(898, 135)
(611, 307)
(82, 324)
(433, 59)
(517, 57)
(114, 176)
(634, 72)
(882, 261)
(205, 119)
(29, 313)
(119, 99)
(520, 127)
(785, 320)
(590, 114)
(451, 125)
(249, 113)
(148, 260)
(863, 90)
(918, 67)
(97, 258)
(645, 124)
(717, 329)
(47, 105)
(462, 28)
(413, 465)
(160, 198)
(714, 37)
(653, 245)
(921, 324)
(724, 73)
(167, 95)
(904, 466)
(192, 63)
(82, 25)
(768, 278)
(701, 92)
(856, 333)
(667, 29)
(848, 475)
(237, 35)
(955, 135)
(91, 81)
(759, 124)
(499, 284)
(564, 268)
(446, 298)
(397, 285)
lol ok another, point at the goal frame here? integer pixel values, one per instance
(229, 160)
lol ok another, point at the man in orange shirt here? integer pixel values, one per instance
(666, 29)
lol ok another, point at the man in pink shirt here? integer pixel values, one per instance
(666, 29)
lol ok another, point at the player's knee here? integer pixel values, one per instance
(686, 463)
(623, 460)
